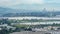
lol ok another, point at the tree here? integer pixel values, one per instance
(4, 31)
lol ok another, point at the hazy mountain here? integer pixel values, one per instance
(15, 12)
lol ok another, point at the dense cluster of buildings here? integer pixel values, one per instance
(6, 27)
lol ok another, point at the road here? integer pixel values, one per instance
(41, 32)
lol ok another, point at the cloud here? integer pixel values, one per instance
(52, 1)
(30, 4)
(15, 2)
(6, 3)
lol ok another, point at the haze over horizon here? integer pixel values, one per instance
(31, 4)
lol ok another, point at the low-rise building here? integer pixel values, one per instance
(7, 27)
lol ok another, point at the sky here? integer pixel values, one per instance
(31, 4)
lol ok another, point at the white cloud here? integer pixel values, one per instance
(30, 3)
(5, 2)
(15, 2)
(52, 1)
(34, 1)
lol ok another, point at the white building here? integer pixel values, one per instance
(29, 18)
(5, 26)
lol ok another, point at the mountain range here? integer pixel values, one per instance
(8, 12)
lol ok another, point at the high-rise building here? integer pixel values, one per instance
(44, 9)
